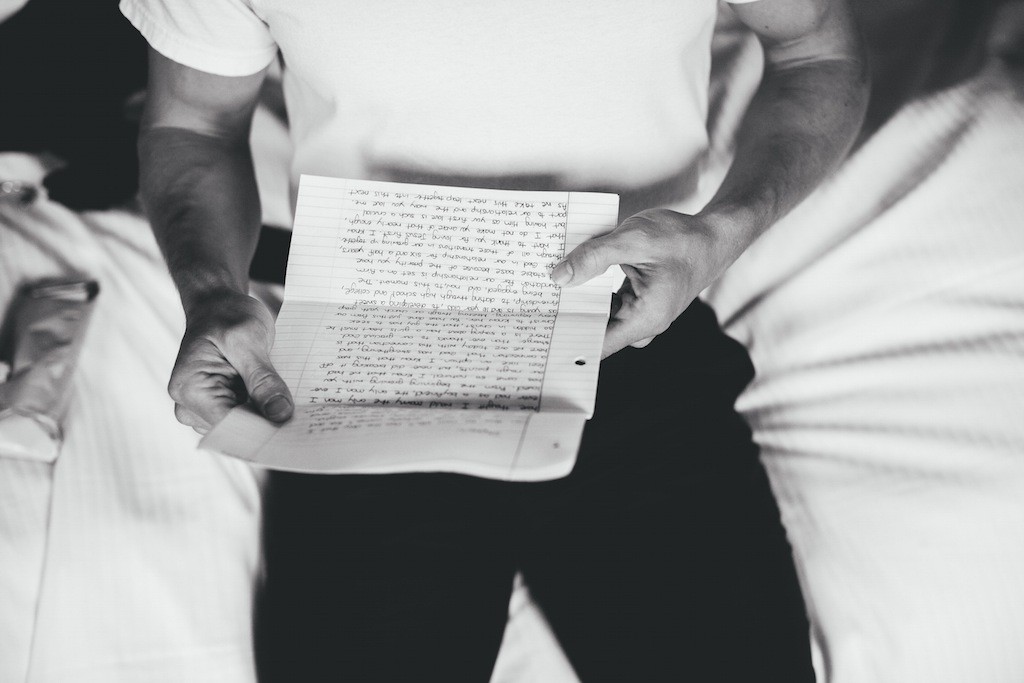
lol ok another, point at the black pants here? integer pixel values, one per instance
(661, 557)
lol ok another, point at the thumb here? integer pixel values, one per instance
(587, 261)
(265, 387)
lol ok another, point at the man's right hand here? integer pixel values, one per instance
(199, 190)
(225, 360)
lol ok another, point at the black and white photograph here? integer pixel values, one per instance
(523, 341)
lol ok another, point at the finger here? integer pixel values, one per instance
(588, 260)
(266, 389)
(204, 385)
(614, 339)
(191, 419)
(636, 324)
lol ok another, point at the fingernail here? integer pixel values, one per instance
(562, 273)
(278, 408)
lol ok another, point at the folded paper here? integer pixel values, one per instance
(421, 332)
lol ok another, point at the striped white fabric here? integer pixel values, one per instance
(132, 558)
(885, 318)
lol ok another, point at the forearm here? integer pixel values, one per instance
(800, 125)
(200, 194)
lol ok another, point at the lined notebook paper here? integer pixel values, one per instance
(420, 331)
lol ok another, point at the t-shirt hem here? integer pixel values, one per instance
(190, 53)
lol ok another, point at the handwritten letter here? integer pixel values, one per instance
(436, 299)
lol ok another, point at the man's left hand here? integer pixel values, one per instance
(668, 258)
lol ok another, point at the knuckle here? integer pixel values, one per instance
(187, 417)
(176, 386)
(184, 375)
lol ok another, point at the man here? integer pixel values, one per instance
(661, 556)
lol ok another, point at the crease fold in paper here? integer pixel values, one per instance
(421, 332)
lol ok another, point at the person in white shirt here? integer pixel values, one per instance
(661, 556)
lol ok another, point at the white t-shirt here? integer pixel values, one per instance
(556, 94)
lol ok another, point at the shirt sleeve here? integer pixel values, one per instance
(222, 37)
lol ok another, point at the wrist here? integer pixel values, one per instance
(200, 298)
(732, 228)
(734, 220)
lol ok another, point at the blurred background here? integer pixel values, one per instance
(885, 318)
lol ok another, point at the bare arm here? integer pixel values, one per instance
(803, 118)
(199, 190)
(197, 180)
(800, 125)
